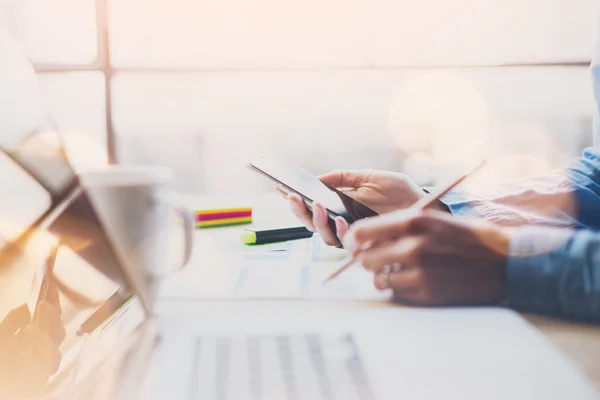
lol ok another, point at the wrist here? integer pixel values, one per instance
(497, 240)
(505, 236)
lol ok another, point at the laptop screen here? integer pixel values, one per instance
(49, 234)
(36, 174)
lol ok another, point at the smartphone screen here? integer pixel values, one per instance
(295, 179)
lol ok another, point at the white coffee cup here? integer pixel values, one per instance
(132, 204)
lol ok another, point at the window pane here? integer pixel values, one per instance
(20, 98)
(343, 33)
(56, 31)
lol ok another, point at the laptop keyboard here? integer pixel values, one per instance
(278, 367)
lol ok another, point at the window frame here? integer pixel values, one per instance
(103, 64)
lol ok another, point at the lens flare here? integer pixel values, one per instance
(84, 152)
(75, 274)
(441, 118)
(517, 152)
(506, 169)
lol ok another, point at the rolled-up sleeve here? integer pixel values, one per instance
(550, 270)
(568, 197)
(555, 271)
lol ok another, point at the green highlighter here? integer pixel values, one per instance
(275, 235)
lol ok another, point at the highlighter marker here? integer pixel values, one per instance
(275, 235)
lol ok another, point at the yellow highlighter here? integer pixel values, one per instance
(251, 237)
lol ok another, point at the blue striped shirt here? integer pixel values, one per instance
(554, 265)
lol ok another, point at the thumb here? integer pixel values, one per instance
(15, 320)
(346, 178)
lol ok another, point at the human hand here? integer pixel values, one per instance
(382, 191)
(30, 349)
(433, 258)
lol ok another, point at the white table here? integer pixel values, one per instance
(578, 341)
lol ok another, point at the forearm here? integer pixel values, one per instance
(555, 271)
(561, 198)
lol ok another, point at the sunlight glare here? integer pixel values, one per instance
(440, 117)
(505, 169)
(84, 152)
(74, 272)
(518, 152)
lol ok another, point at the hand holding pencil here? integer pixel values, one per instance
(433, 258)
(420, 205)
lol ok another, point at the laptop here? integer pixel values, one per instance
(243, 349)
(246, 350)
(51, 238)
(99, 315)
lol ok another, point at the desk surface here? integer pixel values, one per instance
(425, 347)
(578, 341)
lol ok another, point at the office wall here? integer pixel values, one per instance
(327, 83)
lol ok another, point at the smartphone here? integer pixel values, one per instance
(293, 179)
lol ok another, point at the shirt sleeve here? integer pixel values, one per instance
(556, 272)
(549, 270)
(563, 198)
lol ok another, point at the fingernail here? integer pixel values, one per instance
(338, 225)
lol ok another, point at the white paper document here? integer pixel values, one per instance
(294, 270)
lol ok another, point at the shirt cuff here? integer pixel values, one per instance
(465, 204)
(536, 265)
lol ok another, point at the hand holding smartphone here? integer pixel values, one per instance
(293, 179)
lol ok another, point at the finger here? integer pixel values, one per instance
(321, 222)
(341, 228)
(394, 225)
(346, 178)
(411, 297)
(383, 227)
(407, 252)
(282, 192)
(405, 280)
(300, 211)
(15, 320)
(50, 322)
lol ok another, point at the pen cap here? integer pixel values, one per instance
(248, 237)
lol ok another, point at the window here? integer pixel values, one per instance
(209, 80)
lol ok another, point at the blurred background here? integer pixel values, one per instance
(421, 87)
